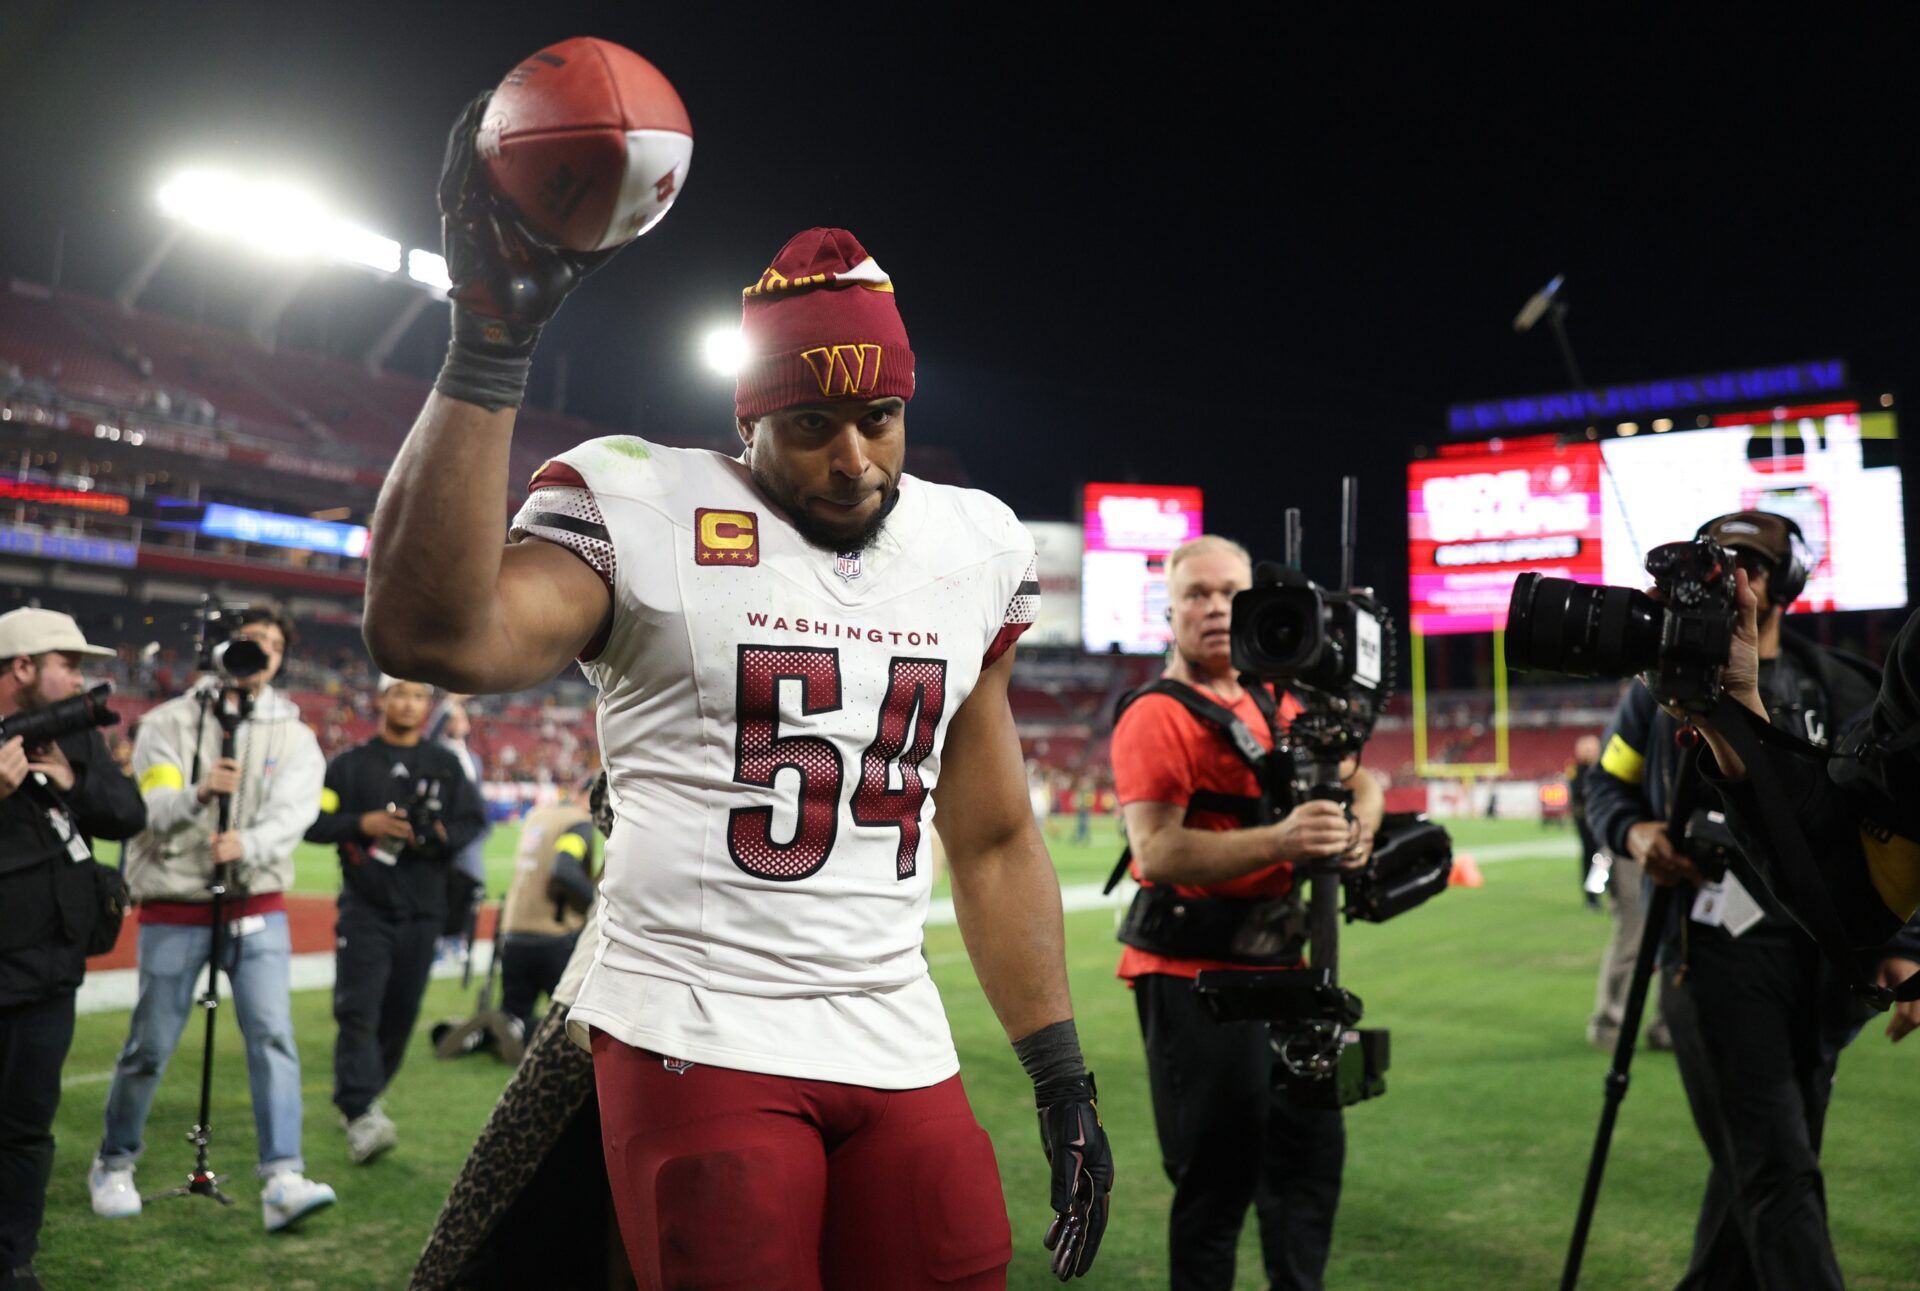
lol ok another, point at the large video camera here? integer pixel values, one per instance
(1333, 651)
(1332, 648)
(222, 650)
(37, 726)
(1557, 625)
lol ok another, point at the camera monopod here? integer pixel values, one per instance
(231, 706)
(1659, 914)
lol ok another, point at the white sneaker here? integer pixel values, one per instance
(290, 1197)
(369, 1134)
(114, 1196)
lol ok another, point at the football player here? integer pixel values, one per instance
(798, 651)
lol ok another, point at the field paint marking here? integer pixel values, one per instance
(117, 988)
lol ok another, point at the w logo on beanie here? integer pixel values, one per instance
(844, 370)
(817, 324)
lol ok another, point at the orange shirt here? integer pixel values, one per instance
(1163, 753)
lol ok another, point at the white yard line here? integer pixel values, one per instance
(104, 992)
(116, 988)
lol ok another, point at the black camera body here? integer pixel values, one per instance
(1323, 1058)
(222, 650)
(1681, 644)
(38, 726)
(1337, 645)
(424, 808)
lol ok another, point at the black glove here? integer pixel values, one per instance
(506, 282)
(1076, 1147)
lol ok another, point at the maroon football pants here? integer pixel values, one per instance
(733, 1181)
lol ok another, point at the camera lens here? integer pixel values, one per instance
(1558, 625)
(240, 658)
(1279, 630)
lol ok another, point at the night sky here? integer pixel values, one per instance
(1207, 247)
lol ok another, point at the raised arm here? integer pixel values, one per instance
(448, 601)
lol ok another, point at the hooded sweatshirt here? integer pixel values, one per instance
(281, 770)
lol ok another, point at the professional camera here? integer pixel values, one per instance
(1324, 1059)
(222, 650)
(36, 726)
(1333, 651)
(1337, 645)
(1556, 625)
(423, 810)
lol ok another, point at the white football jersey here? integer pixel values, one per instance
(771, 718)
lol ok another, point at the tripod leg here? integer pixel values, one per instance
(1664, 901)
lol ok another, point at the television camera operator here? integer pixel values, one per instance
(57, 905)
(1229, 1135)
(398, 808)
(1757, 1017)
(273, 784)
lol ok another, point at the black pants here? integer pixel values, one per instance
(530, 966)
(1757, 1039)
(34, 1039)
(1229, 1139)
(380, 975)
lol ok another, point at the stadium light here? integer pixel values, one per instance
(429, 269)
(725, 351)
(279, 218)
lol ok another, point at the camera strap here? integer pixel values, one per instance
(1251, 811)
(1797, 877)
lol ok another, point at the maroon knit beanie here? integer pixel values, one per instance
(820, 324)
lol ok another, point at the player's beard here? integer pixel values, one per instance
(825, 534)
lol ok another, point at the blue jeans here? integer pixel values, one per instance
(257, 967)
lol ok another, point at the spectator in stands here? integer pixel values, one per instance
(274, 787)
(546, 904)
(393, 897)
(1758, 1018)
(52, 798)
(1231, 1136)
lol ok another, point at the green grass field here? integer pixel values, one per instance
(1465, 1176)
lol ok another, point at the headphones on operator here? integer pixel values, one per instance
(1787, 574)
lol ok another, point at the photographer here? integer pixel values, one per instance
(467, 878)
(1757, 1018)
(1228, 1136)
(273, 782)
(56, 905)
(546, 905)
(1855, 812)
(398, 808)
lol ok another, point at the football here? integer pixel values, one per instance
(588, 142)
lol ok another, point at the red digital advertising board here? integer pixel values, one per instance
(1129, 530)
(1477, 519)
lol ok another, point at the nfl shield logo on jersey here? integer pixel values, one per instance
(847, 564)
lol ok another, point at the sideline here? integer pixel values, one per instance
(116, 988)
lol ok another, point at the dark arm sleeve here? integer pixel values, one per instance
(105, 803)
(339, 818)
(1617, 798)
(1906, 942)
(467, 815)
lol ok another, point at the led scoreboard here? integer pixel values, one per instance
(1129, 529)
(1480, 514)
